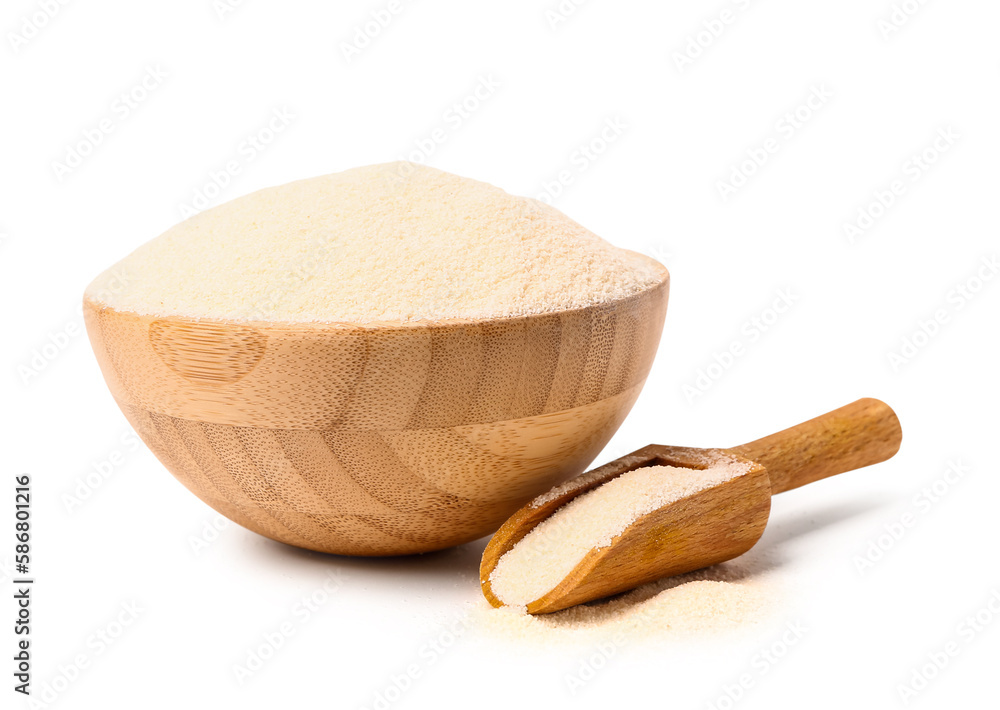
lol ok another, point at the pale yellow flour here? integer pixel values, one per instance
(393, 242)
(730, 598)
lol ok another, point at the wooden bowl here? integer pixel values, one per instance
(379, 439)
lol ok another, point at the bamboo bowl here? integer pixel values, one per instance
(378, 439)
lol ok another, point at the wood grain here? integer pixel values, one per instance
(713, 525)
(383, 439)
(859, 434)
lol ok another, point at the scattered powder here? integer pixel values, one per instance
(728, 598)
(548, 553)
(393, 242)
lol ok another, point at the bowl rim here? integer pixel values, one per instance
(393, 325)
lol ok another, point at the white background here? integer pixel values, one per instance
(888, 91)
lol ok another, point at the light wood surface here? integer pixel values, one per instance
(384, 439)
(854, 436)
(713, 525)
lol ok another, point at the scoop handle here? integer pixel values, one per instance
(856, 435)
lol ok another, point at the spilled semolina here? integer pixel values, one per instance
(729, 598)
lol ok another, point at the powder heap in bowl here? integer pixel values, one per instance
(393, 242)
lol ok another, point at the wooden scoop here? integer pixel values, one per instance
(713, 525)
